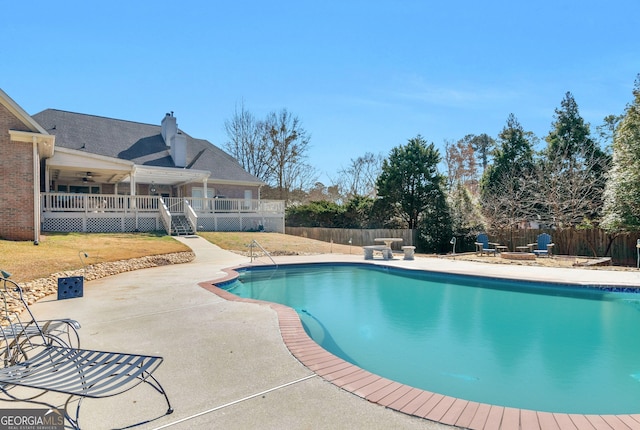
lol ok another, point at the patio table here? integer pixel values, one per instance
(388, 240)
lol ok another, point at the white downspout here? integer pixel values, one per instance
(36, 193)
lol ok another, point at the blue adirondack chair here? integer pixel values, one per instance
(482, 245)
(543, 246)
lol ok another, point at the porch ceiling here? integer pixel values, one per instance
(97, 175)
(167, 175)
(72, 166)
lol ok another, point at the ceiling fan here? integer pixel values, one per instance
(88, 177)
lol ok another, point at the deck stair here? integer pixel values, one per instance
(180, 226)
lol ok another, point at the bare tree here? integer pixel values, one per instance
(273, 150)
(508, 205)
(320, 192)
(569, 198)
(288, 143)
(247, 143)
(298, 177)
(359, 178)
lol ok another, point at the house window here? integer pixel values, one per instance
(198, 193)
(248, 196)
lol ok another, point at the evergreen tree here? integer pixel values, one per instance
(483, 145)
(411, 188)
(574, 167)
(435, 227)
(513, 155)
(570, 137)
(501, 187)
(622, 195)
(466, 218)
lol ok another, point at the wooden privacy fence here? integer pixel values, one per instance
(358, 237)
(588, 243)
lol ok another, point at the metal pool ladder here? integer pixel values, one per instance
(255, 243)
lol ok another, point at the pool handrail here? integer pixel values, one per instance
(255, 243)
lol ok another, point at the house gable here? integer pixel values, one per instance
(22, 142)
(24, 121)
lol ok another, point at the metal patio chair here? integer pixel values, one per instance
(18, 334)
(41, 361)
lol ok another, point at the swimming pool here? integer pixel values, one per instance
(519, 344)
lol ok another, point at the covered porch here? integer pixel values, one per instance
(92, 193)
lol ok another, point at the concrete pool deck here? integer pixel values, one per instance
(226, 364)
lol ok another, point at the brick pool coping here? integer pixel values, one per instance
(414, 401)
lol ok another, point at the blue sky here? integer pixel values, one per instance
(363, 76)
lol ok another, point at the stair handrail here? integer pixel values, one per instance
(191, 215)
(255, 243)
(165, 216)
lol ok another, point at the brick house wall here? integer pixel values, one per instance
(16, 181)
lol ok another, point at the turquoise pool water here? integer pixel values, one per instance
(518, 344)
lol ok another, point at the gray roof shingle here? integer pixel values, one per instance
(137, 142)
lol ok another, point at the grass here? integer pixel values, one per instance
(276, 243)
(59, 252)
(65, 251)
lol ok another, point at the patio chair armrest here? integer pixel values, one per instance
(64, 331)
(532, 244)
(61, 332)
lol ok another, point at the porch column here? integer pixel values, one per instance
(132, 190)
(206, 206)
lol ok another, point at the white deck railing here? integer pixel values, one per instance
(67, 202)
(69, 212)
